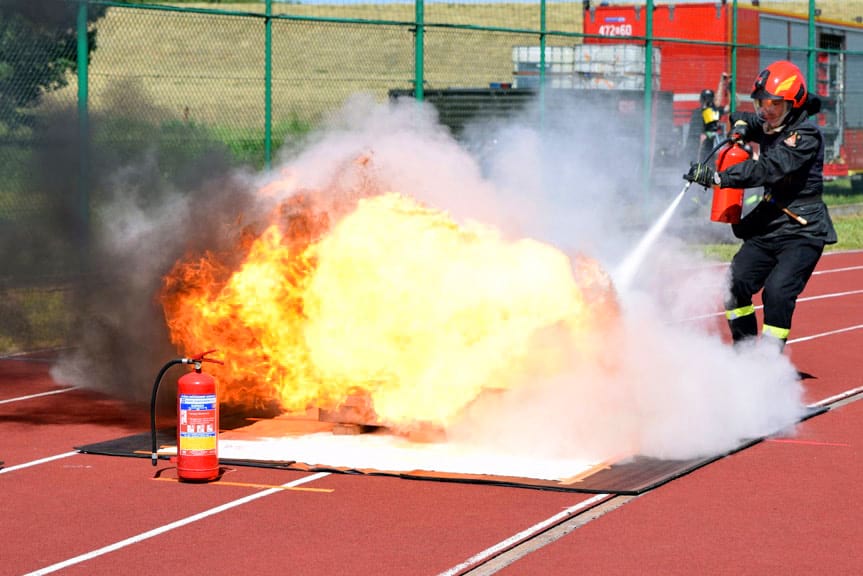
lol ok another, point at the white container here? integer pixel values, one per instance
(585, 66)
(611, 82)
(553, 54)
(614, 59)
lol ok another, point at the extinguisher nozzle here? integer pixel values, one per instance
(155, 459)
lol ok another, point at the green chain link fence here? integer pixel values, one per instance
(172, 95)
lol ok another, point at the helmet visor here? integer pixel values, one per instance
(772, 111)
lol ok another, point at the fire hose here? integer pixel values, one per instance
(716, 149)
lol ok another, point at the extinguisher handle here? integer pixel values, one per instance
(202, 357)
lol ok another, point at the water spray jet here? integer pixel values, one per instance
(726, 207)
(625, 273)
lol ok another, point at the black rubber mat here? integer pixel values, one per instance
(140, 446)
(631, 476)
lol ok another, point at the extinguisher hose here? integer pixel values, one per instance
(154, 454)
(715, 150)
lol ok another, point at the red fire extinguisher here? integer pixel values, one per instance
(728, 202)
(197, 421)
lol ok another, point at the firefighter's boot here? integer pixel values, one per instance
(774, 336)
(743, 328)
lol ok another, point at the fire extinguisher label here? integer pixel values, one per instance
(198, 427)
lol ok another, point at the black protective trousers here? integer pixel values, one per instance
(781, 266)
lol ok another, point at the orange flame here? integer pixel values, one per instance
(392, 298)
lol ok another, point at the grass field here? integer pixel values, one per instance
(846, 212)
(849, 229)
(210, 68)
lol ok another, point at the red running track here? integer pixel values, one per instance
(780, 507)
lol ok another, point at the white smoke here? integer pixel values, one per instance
(662, 390)
(666, 387)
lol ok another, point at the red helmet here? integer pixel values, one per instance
(781, 80)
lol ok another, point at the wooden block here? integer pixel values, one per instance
(355, 409)
(342, 429)
(425, 433)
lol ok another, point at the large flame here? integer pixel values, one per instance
(391, 298)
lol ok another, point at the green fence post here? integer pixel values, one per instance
(84, 138)
(648, 93)
(268, 85)
(542, 43)
(810, 61)
(732, 80)
(419, 38)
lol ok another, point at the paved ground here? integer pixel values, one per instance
(783, 506)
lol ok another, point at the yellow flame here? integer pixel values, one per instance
(429, 312)
(396, 300)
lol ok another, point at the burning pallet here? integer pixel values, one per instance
(356, 415)
(353, 416)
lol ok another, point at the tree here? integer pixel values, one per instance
(38, 51)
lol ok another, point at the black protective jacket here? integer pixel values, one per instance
(790, 167)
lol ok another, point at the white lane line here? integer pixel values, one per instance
(29, 357)
(178, 524)
(759, 307)
(830, 295)
(830, 333)
(832, 270)
(20, 398)
(37, 462)
(538, 527)
(827, 271)
(837, 397)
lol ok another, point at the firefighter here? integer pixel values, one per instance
(785, 233)
(705, 128)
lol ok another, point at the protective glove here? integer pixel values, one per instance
(701, 174)
(740, 131)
